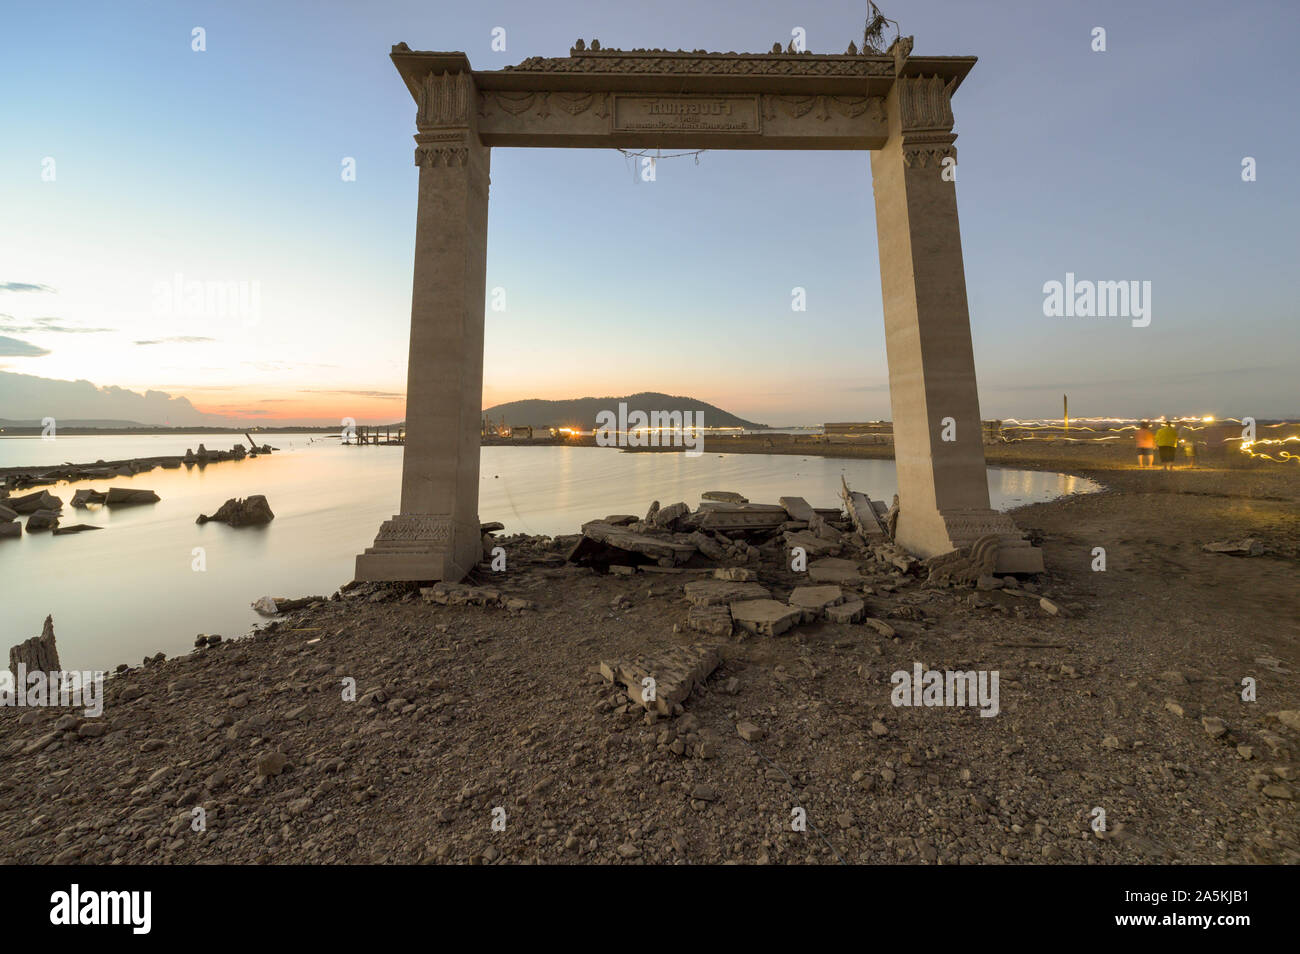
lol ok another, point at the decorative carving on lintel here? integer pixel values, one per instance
(661, 62)
(821, 106)
(518, 103)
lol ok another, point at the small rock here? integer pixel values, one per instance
(749, 732)
(271, 763)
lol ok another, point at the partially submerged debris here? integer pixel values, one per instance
(119, 496)
(246, 512)
(37, 654)
(30, 503)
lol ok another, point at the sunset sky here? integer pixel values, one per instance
(173, 166)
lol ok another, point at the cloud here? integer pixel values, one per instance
(379, 394)
(13, 348)
(284, 365)
(24, 287)
(1145, 378)
(27, 397)
(46, 326)
(176, 339)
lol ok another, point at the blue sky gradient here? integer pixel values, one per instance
(225, 165)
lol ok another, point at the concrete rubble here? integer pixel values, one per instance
(775, 567)
(1250, 546)
(675, 673)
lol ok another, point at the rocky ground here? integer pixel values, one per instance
(1128, 699)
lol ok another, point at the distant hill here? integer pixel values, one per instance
(581, 412)
(75, 422)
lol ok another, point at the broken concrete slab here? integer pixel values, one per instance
(813, 545)
(717, 515)
(850, 611)
(667, 517)
(672, 675)
(893, 555)
(798, 509)
(725, 496)
(736, 574)
(461, 594)
(711, 619)
(835, 570)
(880, 626)
(813, 600)
(707, 545)
(765, 617)
(862, 513)
(603, 543)
(712, 592)
(1249, 546)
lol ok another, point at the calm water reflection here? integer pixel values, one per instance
(129, 590)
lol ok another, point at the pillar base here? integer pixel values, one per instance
(941, 531)
(420, 547)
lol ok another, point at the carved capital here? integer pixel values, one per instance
(928, 150)
(925, 103)
(435, 155)
(445, 99)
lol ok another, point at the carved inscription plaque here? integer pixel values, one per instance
(682, 112)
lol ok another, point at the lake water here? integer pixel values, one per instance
(130, 589)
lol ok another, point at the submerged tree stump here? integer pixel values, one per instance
(38, 654)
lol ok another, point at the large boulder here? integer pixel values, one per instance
(248, 512)
(10, 528)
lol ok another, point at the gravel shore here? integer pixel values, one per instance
(486, 735)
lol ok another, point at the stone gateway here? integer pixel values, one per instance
(895, 104)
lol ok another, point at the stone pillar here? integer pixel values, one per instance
(938, 439)
(436, 536)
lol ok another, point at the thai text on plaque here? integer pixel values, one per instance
(686, 112)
